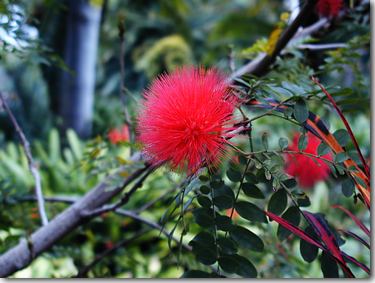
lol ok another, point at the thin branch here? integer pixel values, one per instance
(322, 23)
(322, 46)
(298, 153)
(60, 199)
(268, 112)
(123, 212)
(152, 202)
(32, 166)
(347, 126)
(150, 223)
(46, 236)
(263, 61)
(123, 200)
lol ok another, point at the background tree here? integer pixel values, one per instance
(112, 214)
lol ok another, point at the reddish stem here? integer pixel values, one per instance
(347, 126)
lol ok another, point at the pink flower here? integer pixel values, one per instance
(116, 136)
(229, 212)
(185, 119)
(329, 8)
(307, 170)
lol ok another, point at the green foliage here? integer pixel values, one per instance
(210, 224)
(166, 54)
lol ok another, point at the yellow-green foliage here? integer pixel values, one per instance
(259, 46)
(164, 55)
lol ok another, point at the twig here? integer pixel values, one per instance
(261, 63)
(61, 199)
(313, 28)
(284, 39)
(251, 154)
(123, 200)
(150, 223)
(19, 256)
(322, 46)
(136, 217)
(123, 212)
(347, 126)
(151, 203)
(32, 166)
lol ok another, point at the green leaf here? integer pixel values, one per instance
(228, 263)
(251, 178)
(342, 137)
(223, 197)
(347, 187)
(204, 190)
(250, 212)
(300, 111)
(246, 239)
(204, 248)
(252, 190)
(302, 142)
(283, 143)
(293, 216)
(329, 266)
(341, 157)
(323, 149)
(206, 255)
(204, 201)
(223, 222)
(203, 217)
(245, 268)
(75, 144)
(303, 201)
(308, 251)
(290, 183)
(234, 175)
(203, 239)
(216, 184)
(278, 202)
(203, 178)
(227, 246)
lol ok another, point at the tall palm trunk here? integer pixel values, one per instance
(77, 86)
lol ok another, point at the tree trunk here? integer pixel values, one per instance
(77, 85)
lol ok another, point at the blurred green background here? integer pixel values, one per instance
(157, 37)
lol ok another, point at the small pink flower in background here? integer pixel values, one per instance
(116, 136)
(109, 245)
(229, 212)
(185, 119)
(329, 8)
(307, 170)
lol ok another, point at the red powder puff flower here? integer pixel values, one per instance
(116, 136)
(329, 8)
(307, 170)
(185, 119)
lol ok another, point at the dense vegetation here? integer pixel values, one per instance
(289, 195)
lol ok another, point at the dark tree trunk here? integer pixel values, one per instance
(76, 92)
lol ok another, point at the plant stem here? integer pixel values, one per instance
(32, 166)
